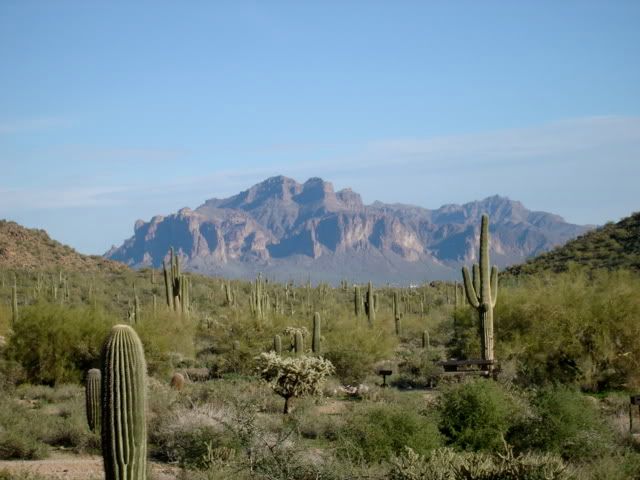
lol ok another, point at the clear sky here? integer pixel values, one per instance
(113, 111)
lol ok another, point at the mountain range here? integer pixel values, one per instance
(290, 230)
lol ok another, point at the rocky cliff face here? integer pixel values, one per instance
(288, 229)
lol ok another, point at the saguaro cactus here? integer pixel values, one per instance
(124, 430)
(482, 291)
(425, 340)
(357, 300)
(14, 304)
(369, 305)
(277, 344)
(92, 399)
(396, 311)
(315, 340)
(173, 283)
(298, 343)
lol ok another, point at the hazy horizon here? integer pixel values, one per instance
(116, 112)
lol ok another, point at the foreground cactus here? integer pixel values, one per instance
(298, 343)
(92, 399)
(124, 430)
(482, 291)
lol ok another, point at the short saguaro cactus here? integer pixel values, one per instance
(124, 428)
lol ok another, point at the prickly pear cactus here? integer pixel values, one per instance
(124, 429)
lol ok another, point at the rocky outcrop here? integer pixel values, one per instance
(282, 226)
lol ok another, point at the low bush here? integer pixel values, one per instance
(478, 414)
(375, 433)
(565, 422)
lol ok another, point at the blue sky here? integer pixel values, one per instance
(114, 111)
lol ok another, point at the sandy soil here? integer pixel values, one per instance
(75, 467)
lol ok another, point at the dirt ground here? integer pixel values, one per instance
(75, 467)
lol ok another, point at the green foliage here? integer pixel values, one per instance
(377, 432)
(57, 344)
(574, 328)
(565, 422)
(478, 414)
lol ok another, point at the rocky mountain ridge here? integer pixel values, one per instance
(290, 229)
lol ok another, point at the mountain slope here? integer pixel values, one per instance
(613, 246)
(31, 249)
(285, 228)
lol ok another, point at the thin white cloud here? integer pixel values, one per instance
(23, 125)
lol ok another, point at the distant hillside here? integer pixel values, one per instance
(613, 246)
(31, 249)
(287, 229)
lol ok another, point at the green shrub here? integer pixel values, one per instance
(57, 344)
(566, 422)
(478, 414)
(376, 433)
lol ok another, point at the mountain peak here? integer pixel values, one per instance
(281, 225)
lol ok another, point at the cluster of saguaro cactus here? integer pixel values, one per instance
(259, 301)
(315, 338)
(482, 290)
(124, 428)
(176, 285)
(92, 399)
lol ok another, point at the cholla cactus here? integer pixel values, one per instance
(92, 399)
(294, 377)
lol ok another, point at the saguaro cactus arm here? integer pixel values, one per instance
(469, 288)
(494, 285)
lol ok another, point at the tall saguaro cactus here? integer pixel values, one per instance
(396, 311)
(369, 305)
(173, 282)
(315, 339)
(92, 399)
(357, 300)
(124, 430)
(482, 291)
(14, 303)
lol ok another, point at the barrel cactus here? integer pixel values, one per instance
(124, 430)
(92, 399)
(177, 381)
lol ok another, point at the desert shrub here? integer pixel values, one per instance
(447, 464)
(575, 328)
(478, 414)
(57, 344)
(354, 351)
(623, 465)
(565, 422)
(376, 433)
(164, 336)
(417, 369)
